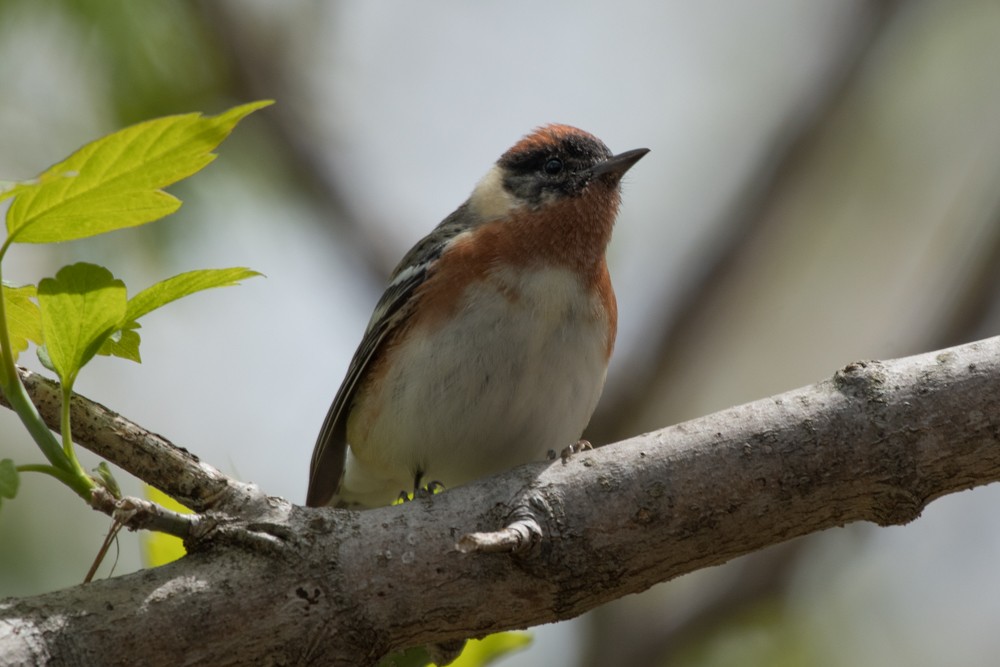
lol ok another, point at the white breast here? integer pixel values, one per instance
(517, 373)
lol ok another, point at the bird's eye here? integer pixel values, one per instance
(552, 166)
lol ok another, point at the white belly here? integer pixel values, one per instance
(517, 374)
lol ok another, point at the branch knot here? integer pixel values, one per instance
(520, 535)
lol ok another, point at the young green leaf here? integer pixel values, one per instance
(123, 343)
(9, 479)
(107, 478)
(43, 356)
(182, 285)
(23, 321)
(115, 182)
(81, 307)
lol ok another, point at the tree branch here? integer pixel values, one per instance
(141, 514)
(150, 457)
(877, 442)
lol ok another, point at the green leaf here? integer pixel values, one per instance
(23, 321)
(108, 481)
(182, 285)
(81, 307)
(9, 189)
(9, 479)
(123, 343)
(475, 653)
(43, 356)
(411, 657)
(115, 182)
(160, 548)
(481, 652)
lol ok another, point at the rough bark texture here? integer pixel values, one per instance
(876, 442)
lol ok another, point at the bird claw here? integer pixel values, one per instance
(428, 489)
(567, 452)
(421, 491)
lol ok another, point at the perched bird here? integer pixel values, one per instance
(491, 343)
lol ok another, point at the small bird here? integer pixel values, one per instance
(490, 345)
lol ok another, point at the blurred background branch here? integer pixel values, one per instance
(625, 631)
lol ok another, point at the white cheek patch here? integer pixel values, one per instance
(490, 199)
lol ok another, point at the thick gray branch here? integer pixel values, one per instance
(876, 442)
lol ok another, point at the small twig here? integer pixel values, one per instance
(523, 531)
(140, 514)
(515, 538)
(113, 531)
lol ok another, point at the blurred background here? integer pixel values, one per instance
(824, 186)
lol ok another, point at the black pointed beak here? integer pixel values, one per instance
(617, 165)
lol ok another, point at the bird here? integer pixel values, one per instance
(490, 345)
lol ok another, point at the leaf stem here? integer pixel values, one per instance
(10, 383)
(65, 426)
(60, 474)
